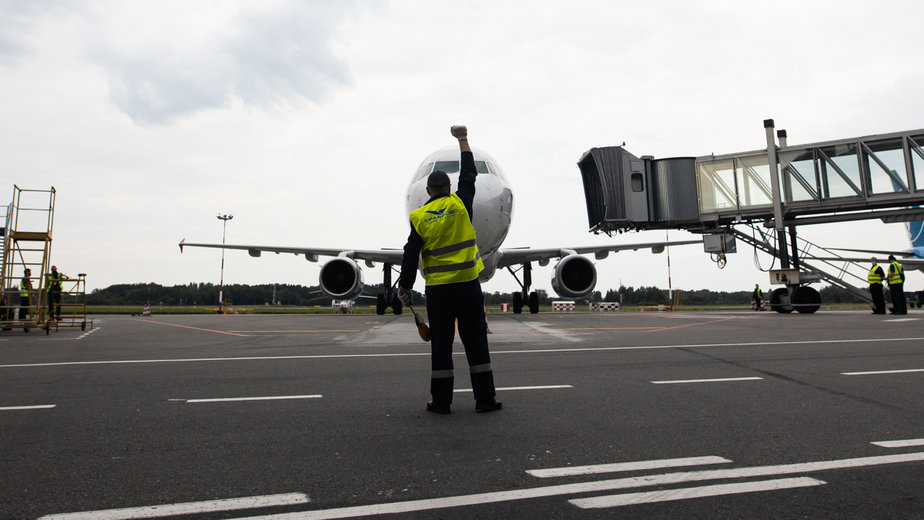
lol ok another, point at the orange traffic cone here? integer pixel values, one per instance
(147, 310)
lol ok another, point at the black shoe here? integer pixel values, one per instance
(438, 408)
(27, 330)
(487, 406)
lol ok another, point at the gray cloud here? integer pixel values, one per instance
(262, 59)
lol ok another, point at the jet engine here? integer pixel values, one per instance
(575, 277)
(341, 279)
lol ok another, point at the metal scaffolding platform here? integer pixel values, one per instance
(27, 228)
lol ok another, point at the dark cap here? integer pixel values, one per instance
(438, 179)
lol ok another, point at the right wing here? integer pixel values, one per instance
(386, 256)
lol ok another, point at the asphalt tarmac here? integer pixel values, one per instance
(628, 415)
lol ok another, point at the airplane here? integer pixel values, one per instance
(912, 258)
(574, 275)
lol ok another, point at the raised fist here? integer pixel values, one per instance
(459, 131)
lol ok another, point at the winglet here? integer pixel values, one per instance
(181, 245)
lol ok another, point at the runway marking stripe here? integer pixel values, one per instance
(900, 444)
(719, 380)
(233, 399)
(188, 508)
(498, 352)
(297, 331)
(901, 319)
(570, 471)
(881, 372)
(629, 499)
(33, 407)
(500, 389)
(589, 487)
(187, 327)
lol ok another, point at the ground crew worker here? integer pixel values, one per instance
(897, 286)
(757, 296)
(25, 295)
(442, 239)
(875, 277)
(53, 281)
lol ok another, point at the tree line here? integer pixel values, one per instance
(285, 294)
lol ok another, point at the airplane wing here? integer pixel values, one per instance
(513, 256)
(387, 256)
(897, 254)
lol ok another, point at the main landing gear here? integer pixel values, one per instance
(390, 297)
(524, 297)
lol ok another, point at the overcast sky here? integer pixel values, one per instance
(307, 119)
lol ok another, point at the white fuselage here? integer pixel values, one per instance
(492, 207)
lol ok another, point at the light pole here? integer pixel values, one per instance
(221, 287)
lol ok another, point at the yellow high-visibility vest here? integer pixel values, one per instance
(450, 253)
(875, 275)
(895, 274)
(25, 285)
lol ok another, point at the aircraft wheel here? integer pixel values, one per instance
(517, 303)
(396, 306)
(380, 304)
(806, 299)
(534, 302)
(779, 301)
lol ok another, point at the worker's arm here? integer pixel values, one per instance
(411, 259)
(467, 172)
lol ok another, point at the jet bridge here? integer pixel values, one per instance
(770, 192)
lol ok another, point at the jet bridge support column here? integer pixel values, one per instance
(775, 193)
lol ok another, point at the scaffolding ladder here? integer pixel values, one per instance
(27, 233)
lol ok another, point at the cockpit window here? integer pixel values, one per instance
(449, 167)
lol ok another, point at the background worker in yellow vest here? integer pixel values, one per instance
(875, 278)
(25, 295)
(442, 239)
(897, 286)
(757, 296)
(53, 282)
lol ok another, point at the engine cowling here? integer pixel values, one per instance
(341, 279)
(574, 277)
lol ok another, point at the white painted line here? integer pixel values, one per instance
(569, 471)
(721, 380)
(881, 372)
(900, 444)
(901, 319)
(667, 495)
(834, 342)
(590, 487)
(234, 399)
(33, 407)
(188, 508)
(546, 387)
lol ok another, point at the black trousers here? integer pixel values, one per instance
(446, 304)
(898, 298)
(24, 304)
(54, 303)
(875, 289)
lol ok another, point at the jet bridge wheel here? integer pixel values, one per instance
(779, 301)
(806, 299)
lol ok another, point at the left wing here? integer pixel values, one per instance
(514, 256)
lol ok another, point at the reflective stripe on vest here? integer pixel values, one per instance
(875, 275)
(895, 274)
(450, 254)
